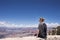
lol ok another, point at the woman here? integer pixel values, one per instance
(42, 29)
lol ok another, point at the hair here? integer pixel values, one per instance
(42, 19)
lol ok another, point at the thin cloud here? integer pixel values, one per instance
(6, 24)
(53, 24)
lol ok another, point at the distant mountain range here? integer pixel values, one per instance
(5, 29)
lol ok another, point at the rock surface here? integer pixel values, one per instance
(33, 38)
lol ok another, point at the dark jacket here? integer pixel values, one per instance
(42, 30)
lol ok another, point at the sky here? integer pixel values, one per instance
(24, 13)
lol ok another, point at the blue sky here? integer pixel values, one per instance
(29, 11)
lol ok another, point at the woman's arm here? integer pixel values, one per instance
(37, 32)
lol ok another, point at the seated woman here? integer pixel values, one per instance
(42, 29)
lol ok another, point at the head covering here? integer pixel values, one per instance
(42, 18)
